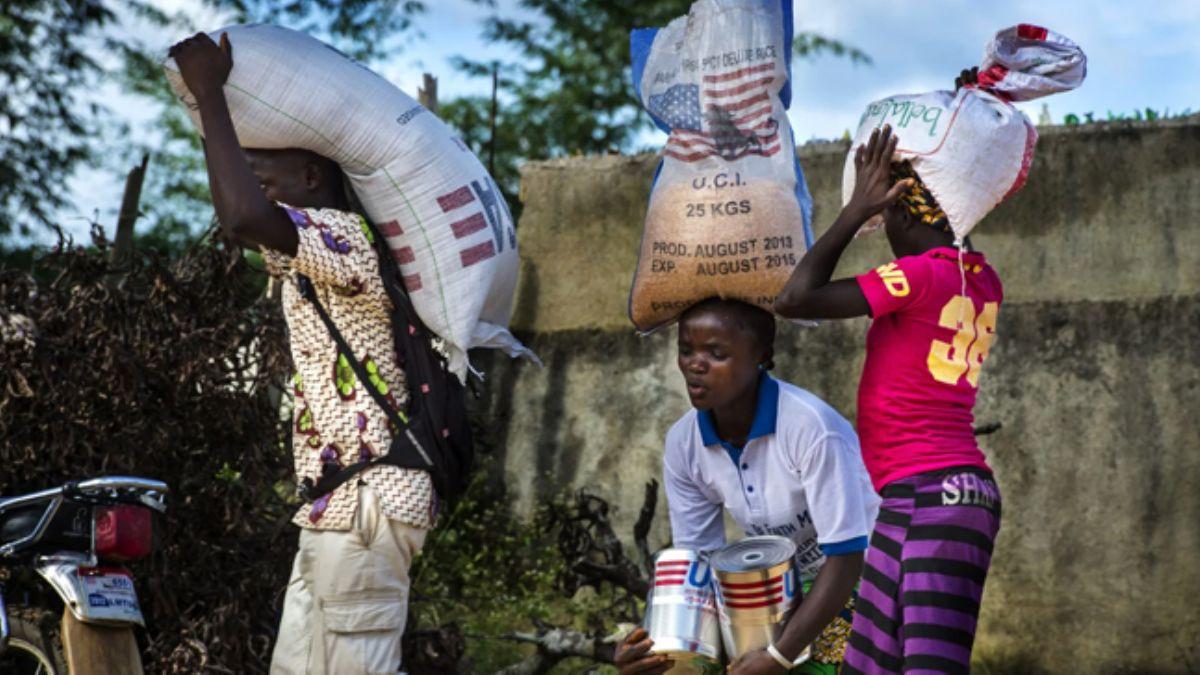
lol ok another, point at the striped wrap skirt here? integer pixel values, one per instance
(918, 602)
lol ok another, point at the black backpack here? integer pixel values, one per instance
(433, 433)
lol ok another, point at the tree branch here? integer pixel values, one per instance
(641, 529)
(556, 644)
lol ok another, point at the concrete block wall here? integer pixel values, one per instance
(1095, 378)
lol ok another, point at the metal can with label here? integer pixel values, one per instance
(681, 612)
(757, 590)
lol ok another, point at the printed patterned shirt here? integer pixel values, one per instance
(925, 349)
(335, 418)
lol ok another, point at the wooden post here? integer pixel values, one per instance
(122, 253)
(427, 93)
(492, 143)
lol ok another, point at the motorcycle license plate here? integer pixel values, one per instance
(108, 595)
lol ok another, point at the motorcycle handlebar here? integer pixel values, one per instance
(109, 489)
(122, 483)
(88, 487)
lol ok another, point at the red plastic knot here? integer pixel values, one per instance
(412, 330)
(424, 388)
(446, 433)
(990, 78)
(1030, 31)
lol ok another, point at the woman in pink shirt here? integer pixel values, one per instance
(932, 325)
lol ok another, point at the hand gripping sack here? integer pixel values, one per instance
(444, 219)
(973, 148)
(729, 210)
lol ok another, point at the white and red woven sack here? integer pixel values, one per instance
(442, 215)
(973, 148)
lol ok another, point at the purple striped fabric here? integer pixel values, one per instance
(918, 602)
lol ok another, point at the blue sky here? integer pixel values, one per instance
(1140, 55)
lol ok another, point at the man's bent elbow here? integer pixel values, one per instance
(245, 226)
(239, 229)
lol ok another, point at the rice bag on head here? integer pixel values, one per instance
(729, 209)
(972, 148)
(442, 215)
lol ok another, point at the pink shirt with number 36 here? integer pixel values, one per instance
(925, 349)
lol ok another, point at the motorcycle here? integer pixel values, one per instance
(67, 605)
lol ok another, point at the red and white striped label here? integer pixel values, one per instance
(671, 572)
(754, 594)
(476, 195)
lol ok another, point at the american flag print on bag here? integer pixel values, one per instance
(729, 115)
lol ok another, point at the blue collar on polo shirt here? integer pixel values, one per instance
(766, 412)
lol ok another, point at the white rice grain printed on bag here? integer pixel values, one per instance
(729, 211)
(441, 214)
(973, 148)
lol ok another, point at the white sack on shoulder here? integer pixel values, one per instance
(442, 215)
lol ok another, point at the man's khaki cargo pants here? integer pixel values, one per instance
(347, 600)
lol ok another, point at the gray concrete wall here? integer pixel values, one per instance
(1095, 377)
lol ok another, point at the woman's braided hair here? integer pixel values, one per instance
(918, 200)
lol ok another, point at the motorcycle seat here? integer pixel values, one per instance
(19, 523)
(70, 529)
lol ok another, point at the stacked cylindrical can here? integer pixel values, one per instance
(681, 612)
(757, 589)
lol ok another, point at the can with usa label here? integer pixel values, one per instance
(681, 612)
(757, 590)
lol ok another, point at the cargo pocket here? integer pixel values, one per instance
(364, 614)
(362, 633)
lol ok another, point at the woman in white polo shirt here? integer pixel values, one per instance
(782, 461)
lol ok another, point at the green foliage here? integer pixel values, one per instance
(493, 573)
(571, 93)
(47, 130)
(478, 569)
(44, 131)
(176, 202)
(363, 29)
(175, 197)
(809, 45)
(1142, 115)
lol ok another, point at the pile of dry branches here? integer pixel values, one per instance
(168, 370)
(172, 369)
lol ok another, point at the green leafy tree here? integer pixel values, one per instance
(363, 29)
(571, 92)
(44, 130)
(50, 127)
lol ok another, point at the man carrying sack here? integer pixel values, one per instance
(346, 602)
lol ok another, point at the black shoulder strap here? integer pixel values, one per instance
(331, 481)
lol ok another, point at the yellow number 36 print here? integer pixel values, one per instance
(949, 361)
